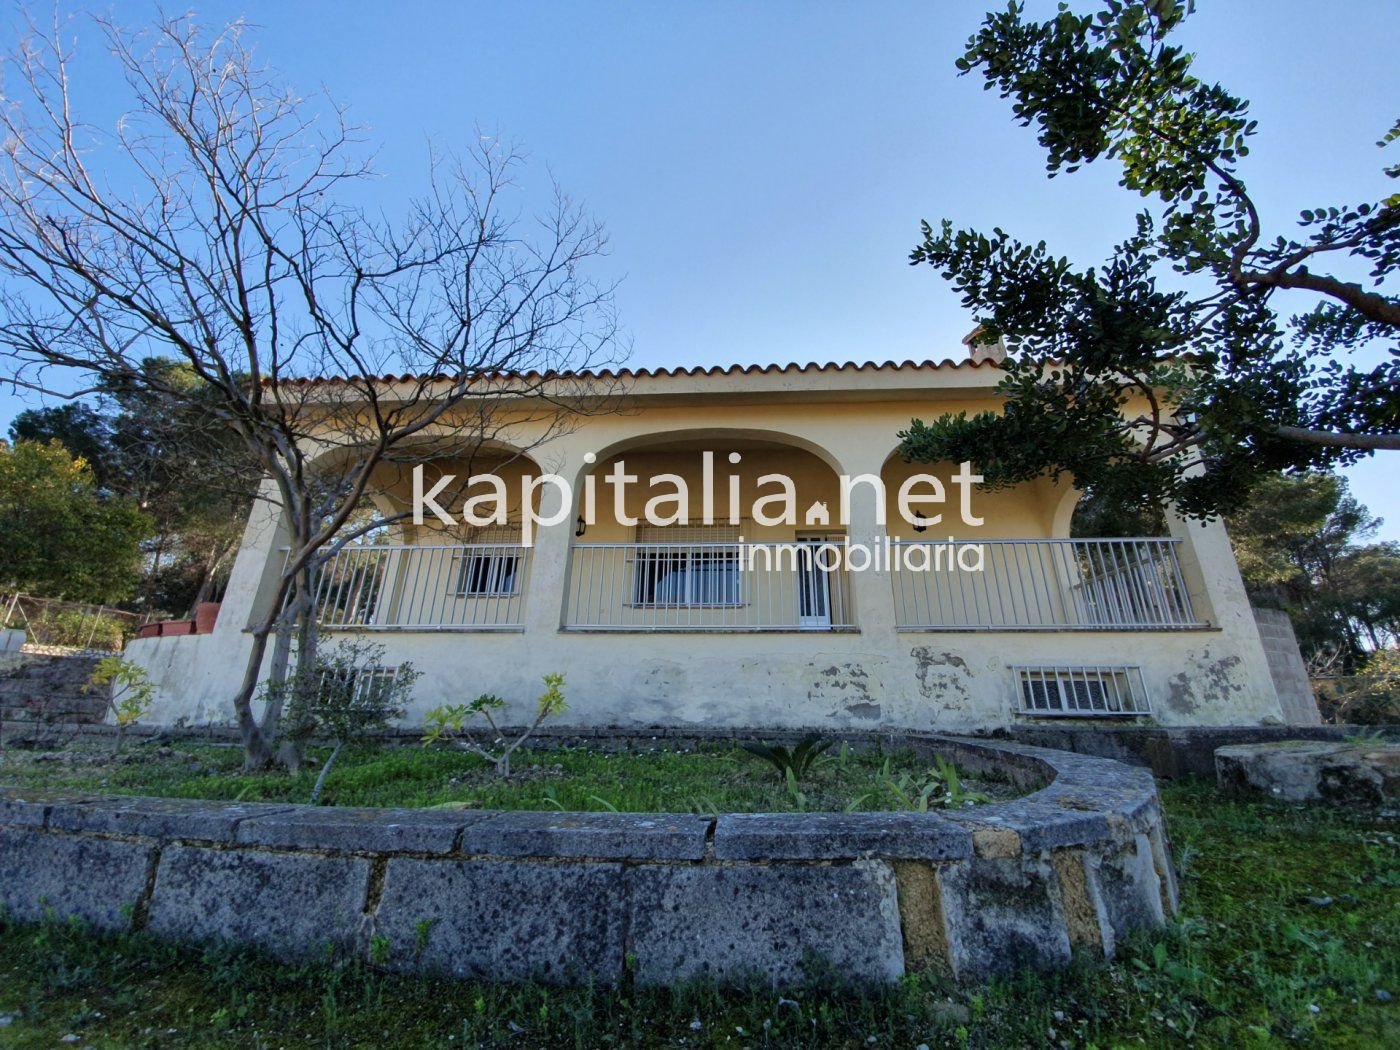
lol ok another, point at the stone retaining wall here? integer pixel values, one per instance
(573, 897)
(48, 691)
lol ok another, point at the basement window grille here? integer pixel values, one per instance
(1081, 691)
(359, 687)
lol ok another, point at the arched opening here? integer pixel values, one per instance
(454, 561)
(1094, 514)
(937, 501)
(709, 530)
(1017, 558)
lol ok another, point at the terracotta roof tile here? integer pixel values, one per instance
(679, 372)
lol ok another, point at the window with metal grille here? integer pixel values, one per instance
(357, 686)
(1081, 691)
(682, 566)
(489, 566)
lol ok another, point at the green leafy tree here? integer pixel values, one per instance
(83, 429)
(1213, 346)
(1301, 546)
(170, 455)
(61, 537)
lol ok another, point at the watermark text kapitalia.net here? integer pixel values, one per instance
(921, 500)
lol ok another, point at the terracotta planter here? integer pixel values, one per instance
(205, 615)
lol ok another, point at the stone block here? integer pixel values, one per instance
(1301, 770)
(291, 904)
(1040, 826)
(99, 881)
(162, 818)
(27, 809)
(1002, 915)
(504, 920)
(1129, 888)
(606, 836)
(359, 829)
(921, 917)
(840, 836)
(1086, 921)
(782, 923)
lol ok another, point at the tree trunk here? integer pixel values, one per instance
(257, 747)
(304, 678)
(206, 581)
(258, 737)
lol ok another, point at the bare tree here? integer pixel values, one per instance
(216, 222)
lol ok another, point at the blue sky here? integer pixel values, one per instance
(762, 167)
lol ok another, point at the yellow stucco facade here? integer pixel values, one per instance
(680, 625)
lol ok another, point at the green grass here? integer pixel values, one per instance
(1255, 961)
(714, 779)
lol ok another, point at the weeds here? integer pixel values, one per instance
(794, 764)
(708, 780)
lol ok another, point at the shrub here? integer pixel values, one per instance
(129, 691)
(346, 697)
(1369, 698)
(795, 764)
(78, 628)
(451, 722)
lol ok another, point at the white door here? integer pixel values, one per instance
(814, 584)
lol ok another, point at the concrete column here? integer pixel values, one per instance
(871, 591)
(1208, 568)
(1218, 597)
(549, 560)
(257, 563)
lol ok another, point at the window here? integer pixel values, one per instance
(488, 573)
(679, 566)
(490, 566)
(1082, 692)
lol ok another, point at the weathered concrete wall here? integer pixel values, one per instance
(945, 682)
(572, 897)
(11, 641)
(1295, 695)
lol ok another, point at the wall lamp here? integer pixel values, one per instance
(580, 526)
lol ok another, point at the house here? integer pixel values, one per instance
(814, 578)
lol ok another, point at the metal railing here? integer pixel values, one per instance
(463, 587)
(800, 586)
(63, 625)
(1104, 584)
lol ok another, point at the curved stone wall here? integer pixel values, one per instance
(568, 897)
